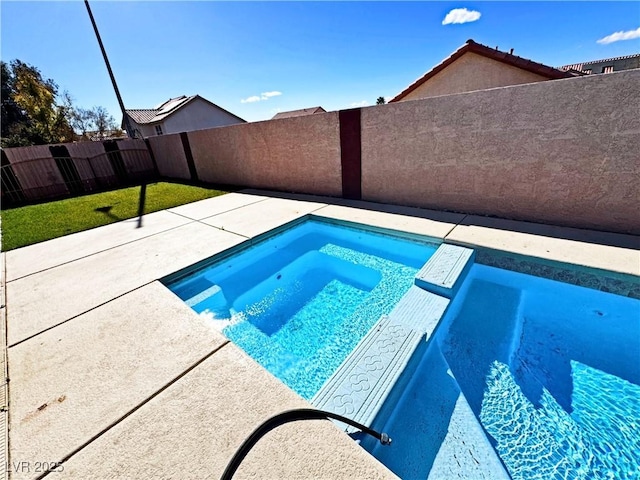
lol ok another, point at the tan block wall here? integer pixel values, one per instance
(137, 159)
(565, 152)
(169, 155)
(472, 72)
(299, 154)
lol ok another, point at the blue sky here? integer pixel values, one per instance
(258, 58)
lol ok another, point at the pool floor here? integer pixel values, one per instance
(551, 372)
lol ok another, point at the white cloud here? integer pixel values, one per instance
(262, 96)
(461, 15)
(252, 99)
(362, 103)
(617, 36)
(267, 95)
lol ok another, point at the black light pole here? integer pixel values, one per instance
(127, 126)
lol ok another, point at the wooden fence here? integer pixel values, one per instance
(28, 176)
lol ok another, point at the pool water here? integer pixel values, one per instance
(300, 301)
(549, 371)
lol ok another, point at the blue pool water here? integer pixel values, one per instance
(545, 374)
(300, 301)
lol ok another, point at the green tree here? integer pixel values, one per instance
(30, 114)
(89, 124)
(79, 118)
(81, 122)
(14, 121)
(380, 101)
(36, 96)
(102, 121)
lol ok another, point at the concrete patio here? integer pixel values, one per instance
(114, 376)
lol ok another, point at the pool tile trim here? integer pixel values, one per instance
(260, 238)
(390, 231)
(589, 277)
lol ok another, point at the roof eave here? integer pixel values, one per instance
(220, 108)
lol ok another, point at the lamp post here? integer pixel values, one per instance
(127, 126)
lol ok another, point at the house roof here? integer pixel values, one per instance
(143, 116)
(492, 53)
(580, 66)
(299, 113)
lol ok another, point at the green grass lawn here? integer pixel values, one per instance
(36, 223)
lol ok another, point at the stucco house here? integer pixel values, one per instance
(180, 114)
(477, 67)
(299, 113)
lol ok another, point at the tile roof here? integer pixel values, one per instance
(153, 115)
(299, 113)
(581, 65)
(494, 54)
(143, 115)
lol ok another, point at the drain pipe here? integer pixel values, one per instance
(292, 416)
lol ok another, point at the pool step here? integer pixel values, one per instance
(360, 385)
(444, 272)
(209, 292)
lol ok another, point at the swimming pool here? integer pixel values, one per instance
(520, 377)
(545, 374)
(299, 301)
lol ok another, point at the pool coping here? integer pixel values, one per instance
(320, 451)
(362, 382)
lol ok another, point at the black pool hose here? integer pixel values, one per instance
(292, 416)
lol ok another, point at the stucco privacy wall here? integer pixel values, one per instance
(169, 154)
(299, 154)
(136, 161)
(565, 152)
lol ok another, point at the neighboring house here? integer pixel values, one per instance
(477, 67)
(96, 136)
(180, 114)
(608, 65)
(299, 113)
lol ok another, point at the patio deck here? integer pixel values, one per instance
(114, 376)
